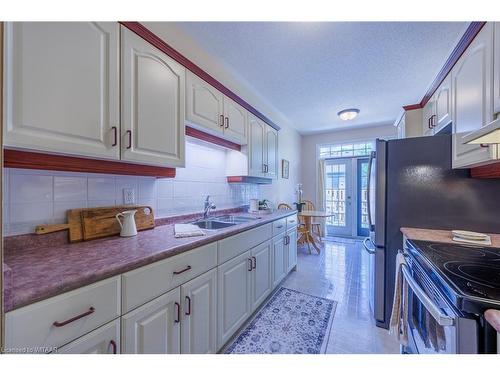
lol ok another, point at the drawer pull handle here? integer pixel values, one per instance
(112, 343)
(279, 226)
(182, 271)
(188, 309)
(61, 324)
(254, 262)
(177, 313)
(292, 221)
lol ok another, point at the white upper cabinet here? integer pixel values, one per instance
(472, 104)
(235, 121)
(204, 104)
(207, 108)
(271, 168)
(496, 69)
(62, 87)
(153, 97)
(256, 150)
(442, 105)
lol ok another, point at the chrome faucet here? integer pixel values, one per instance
(207, 207)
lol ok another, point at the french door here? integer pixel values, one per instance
(338, 197)
(345, 196)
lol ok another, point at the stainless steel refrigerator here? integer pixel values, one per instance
(411, 184)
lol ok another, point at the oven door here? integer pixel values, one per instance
(431, 323)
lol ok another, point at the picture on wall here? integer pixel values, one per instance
(285, 168)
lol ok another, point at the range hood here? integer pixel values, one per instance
(489, 134)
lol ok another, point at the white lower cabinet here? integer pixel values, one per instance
(279, 259)
(261, 276)
(199, 315)
(104, 340)
(234, 288)
(291, 250)
(153, 328)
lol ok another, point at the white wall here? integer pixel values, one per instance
(289, 139)
(33, 197)
(311, 142)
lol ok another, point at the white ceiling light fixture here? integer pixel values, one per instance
(348, 114)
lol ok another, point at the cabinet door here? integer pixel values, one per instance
(427, 118)
(153, 97)
(262, 274)
(291, 254)
(271, 152)
(233, 294)
(204, 104)
(153, 328)
(103, 340)
(472, 99)
(235, 122)
(278, 259)
(496, 69)
(442, 105)
(256, 159)
(62, 87)
(199, 316)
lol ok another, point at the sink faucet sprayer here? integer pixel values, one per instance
(207, 207)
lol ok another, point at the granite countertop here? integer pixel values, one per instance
(445, 236)
(493, 317)
(37, 273)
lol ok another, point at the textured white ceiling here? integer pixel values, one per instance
(310, 71)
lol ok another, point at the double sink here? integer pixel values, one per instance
(220, 222)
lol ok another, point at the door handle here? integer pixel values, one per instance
(221, 120)
(129, 132)
(250, 268)
(188, 308)
(115, 136)
(112, 343)
(227, 122)
(373, 155)
(254, 262)
(177, 312)
(365, 245)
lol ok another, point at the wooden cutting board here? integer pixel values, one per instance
(101, 221)
(74, 226)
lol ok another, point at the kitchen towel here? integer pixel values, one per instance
(187, 230)
(485, 242)
(399, 317)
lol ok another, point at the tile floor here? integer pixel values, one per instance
(340, 273)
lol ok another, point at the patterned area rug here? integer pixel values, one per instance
(291, 322)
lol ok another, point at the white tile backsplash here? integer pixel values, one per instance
(33, 197)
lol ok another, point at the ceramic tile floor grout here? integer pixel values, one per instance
(340, 273)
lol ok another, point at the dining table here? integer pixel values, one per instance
(307, 235)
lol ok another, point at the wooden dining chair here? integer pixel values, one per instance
(309, 206)
(284, 206)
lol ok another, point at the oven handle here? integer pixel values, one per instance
(442, 319)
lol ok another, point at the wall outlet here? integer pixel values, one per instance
(128, 196)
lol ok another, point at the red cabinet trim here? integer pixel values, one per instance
(198, 134)
(35, 160)
(159, 43)
(486, 171)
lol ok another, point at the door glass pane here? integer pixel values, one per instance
(336, 194)
(362, 214)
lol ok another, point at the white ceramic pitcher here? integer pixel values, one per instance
(128, 225)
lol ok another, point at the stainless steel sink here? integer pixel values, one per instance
(212, 224)
(234, 219)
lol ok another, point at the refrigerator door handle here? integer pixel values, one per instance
(369, 250)
(368, 192)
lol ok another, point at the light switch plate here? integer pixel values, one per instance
(128, 196)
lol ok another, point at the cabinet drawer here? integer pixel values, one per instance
(143, 284)
(279, 226)
(291, 222)
(34, 325)
(239, 243)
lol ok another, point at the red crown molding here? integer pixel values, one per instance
(412, 106)
(159, 43)
(472, 30)
(469, 35)
(35, 160)
(486, 171)
(198, 134)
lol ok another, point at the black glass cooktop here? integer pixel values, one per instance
(471, 271)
